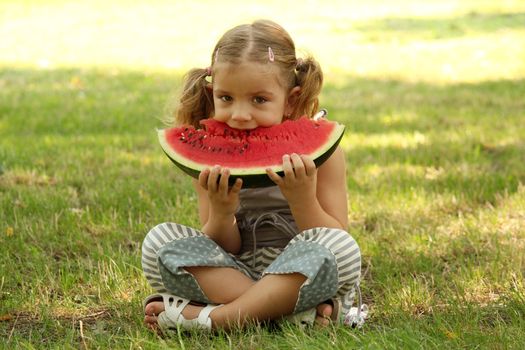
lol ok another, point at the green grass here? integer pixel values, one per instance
(432, 97)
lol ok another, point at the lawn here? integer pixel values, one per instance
(433, 97)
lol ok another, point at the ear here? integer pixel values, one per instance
(291, 100)
(209, 87)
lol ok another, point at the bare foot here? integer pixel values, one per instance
(324, 312)
(154, 308)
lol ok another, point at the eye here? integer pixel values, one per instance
(225, 98)
(259, 100)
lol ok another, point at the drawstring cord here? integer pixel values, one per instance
(356, 317)
(274, 219)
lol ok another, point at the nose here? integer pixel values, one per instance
(241, 114)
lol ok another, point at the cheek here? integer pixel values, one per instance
(218, 111)
(270, 119)
(221, 117)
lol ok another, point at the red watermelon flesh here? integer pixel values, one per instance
(248, 153)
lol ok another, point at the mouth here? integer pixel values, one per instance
(241, 127)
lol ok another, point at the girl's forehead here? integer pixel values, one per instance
(246, 71)
(246, 66)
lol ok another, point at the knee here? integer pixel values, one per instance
(347, 256)
(336, 240)
(343, 242)
(162, 234)
(168, 232)
(344, 247)
(153, 236)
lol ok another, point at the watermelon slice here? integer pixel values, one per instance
(248, 153)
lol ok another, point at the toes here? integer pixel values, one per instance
(150, 319)
(148, 310)
(151, 323)
(324, 310)
(154, 308)
(322, 321)
(151, 311)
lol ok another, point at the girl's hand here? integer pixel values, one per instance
(223, 199)
(299, 182)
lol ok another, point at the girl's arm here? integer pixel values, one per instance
(317, 197)
(217, 207)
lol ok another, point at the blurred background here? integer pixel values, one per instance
(436, 41)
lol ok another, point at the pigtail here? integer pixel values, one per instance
(309, 77)
(196, 101)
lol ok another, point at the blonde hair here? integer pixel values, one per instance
(251, 42)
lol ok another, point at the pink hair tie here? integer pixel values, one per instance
(271, 56)
(208, 71)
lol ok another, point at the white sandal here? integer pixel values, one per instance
(171, 317)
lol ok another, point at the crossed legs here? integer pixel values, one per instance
(244, 300)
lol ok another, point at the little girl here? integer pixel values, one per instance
(266, 253)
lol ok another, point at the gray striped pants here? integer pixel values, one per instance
(330, 259)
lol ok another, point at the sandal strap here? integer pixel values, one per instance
(204, 315)
(172, 316)
(173, 306)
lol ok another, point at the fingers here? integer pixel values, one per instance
(274, 176)
(213, 178)
(237, 185)
(224, 175)
(203, 178)
(216, 179)
(298, 165)
(288, 166)
(294, 166)
(309, 165)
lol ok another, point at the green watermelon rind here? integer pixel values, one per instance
(255, 176)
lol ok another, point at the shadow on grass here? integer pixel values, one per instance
(457, 123)
(466, 139)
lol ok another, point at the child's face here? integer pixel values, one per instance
(249, 95)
